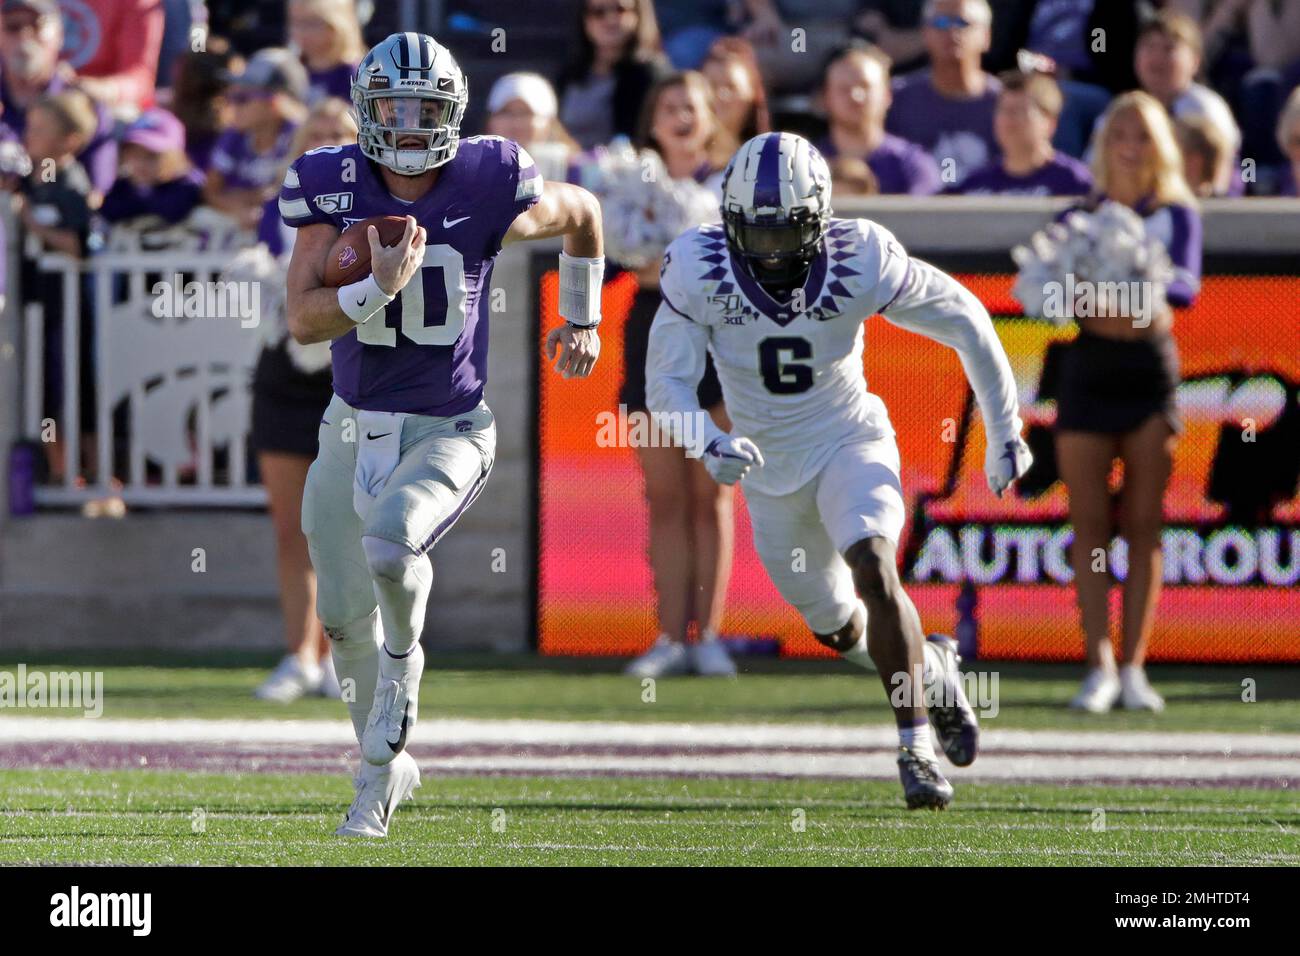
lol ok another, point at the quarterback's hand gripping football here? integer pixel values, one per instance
(394, 266)
(729, 459)
(1005, 461)
(578, 350)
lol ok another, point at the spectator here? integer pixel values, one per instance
(522, 107)
(1288, 140)
(1116, 400)
(199, 97)
(1207, 156)
(157, 181)
(856, 94)
(1166, 60)
(31, 35)
(1273, 36)
(853, 177)
(267, 103)
(291, 387)
(739, 99)
(1058, 30)
(948, 108)
(1028, 108)
(690, 27)
(328, 34)
(795, 68)
(114, 47)
(602, 89)
(55, 209)
(691, 518)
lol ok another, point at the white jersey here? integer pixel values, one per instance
(791, 373)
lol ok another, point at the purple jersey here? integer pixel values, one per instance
(243, 167)
(427, 353)
(957, 130)
(900, 167)
(1061, 175)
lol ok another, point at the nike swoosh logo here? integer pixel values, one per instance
(377, 437)
(362, 302)
(401, 738)
(448, 223)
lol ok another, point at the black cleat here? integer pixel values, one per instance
(951, 714)
(923, 784)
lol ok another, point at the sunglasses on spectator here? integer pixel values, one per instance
(947, 22)
(608, 9)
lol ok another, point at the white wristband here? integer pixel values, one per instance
(580, 285)
(361, 300)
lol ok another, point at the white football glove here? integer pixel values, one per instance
(1005, 461)
(728, 459)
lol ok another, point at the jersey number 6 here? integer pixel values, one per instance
(781, 374)
(423, 296)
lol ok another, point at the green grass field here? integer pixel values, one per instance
(147, 817)
(1030, 696)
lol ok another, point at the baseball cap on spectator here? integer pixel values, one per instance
(275, 70)
(532, 88)
(158, 131)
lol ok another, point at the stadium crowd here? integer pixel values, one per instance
(152, 111)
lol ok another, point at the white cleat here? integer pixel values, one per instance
(1136, 693)
(710, 659)
(290, 680)
(664, 659)
(1099, 692)
(392, 715)
(328, 685)
(379, 791)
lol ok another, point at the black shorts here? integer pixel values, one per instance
(636, 342)
(1114, 385)
(287, 404)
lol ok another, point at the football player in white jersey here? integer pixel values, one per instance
(779, 294)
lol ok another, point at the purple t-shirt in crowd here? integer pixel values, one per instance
(427, 353)
(956, 130)
(900, 167)
(1178, 228)
(334, 81)
(243, 168)
(1062, 175)
(171, 201)
(98, 159)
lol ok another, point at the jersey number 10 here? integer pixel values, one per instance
(411, 304)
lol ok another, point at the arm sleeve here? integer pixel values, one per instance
(674, 366)
(295, 209)
(933, 304)
(1185, 254)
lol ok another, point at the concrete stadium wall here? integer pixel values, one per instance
(71, 582)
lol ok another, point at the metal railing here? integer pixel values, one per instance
(171, 385)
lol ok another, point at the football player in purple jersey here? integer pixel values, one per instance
(407, 441)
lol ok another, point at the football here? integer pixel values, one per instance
(349, 259)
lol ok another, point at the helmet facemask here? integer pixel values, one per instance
(408, 132)
(776, 250)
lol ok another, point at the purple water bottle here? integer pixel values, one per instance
(968, 628)
(22, 479)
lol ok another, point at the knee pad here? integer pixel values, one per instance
(355, 639)
(390, 562)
